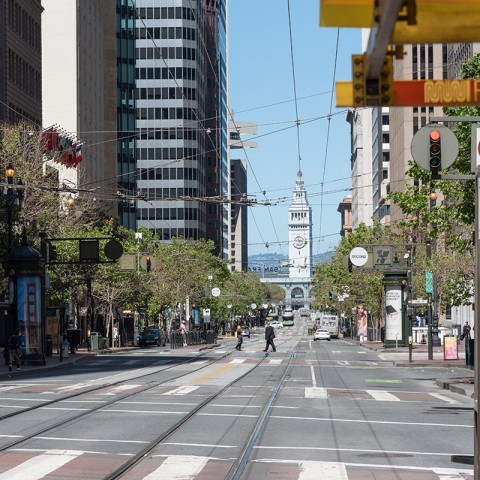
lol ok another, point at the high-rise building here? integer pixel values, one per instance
(182, 154)
(238, 223)
(80, 90)
(21, 65)
(216, 122)
(127, 136)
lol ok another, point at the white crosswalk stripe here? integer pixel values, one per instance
(183, 390)
(41, 465)
(181, 467)
(188, 467)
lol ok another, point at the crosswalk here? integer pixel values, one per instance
(20, 464)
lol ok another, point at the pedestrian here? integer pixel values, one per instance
(269, 336)
(239, 337)
(14, 345)
(465, 332)
(183, 333)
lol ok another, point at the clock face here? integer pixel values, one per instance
(298, 241)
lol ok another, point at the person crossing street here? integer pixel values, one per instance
(269, 336)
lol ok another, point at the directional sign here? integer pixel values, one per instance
(407, 93)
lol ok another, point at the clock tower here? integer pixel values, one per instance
(300, 233)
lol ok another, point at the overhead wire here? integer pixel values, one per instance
(329, 118)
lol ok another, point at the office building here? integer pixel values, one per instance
(182, 154)
(80, 90)
(21, 65)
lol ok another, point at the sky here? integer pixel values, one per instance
(266, 75)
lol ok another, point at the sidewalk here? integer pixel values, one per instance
(461, 381)
(54, 362)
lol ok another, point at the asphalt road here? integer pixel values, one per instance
(330, 407)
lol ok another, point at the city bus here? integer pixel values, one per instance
(331, 323)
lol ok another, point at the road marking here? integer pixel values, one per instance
(122, 388)
(330, 470)
(382, 380)
(275, 361)
(181, 467)
(316, 392)
(443, 398)
(40, 466)
(314, 380)
(383, 396)
(183, 390)
(238, 360)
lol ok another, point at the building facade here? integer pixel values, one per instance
(126, 128)
(21, 61)
(182, 152)
(80, 90)
(238, 221)
(298, 283)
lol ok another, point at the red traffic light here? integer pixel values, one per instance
(434, 135)
(149, 263)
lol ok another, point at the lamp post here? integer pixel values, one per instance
(12, 193)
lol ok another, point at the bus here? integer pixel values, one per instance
(287, 318)
(331, 323)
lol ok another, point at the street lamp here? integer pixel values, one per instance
(12, 193)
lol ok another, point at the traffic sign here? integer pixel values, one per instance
(358, 256)
(475, 161)
(215, 292)
(408, 93)
(382, 256)
(421, 144)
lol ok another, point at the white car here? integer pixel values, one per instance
(276, 324)
(322, 334)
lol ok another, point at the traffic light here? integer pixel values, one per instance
(51, 252)
(149, 263)
(435, 158)
(330, 295)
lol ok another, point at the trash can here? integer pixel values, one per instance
(95, 340)
(101, 343)
(49, 346)
(210, 337)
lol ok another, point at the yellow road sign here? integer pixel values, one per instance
(408, 93)
(437, 21)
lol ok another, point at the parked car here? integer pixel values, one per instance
(276, 324)
(245, 332)
(152, 336)
(321, 334)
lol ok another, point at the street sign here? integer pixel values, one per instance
(382, 256)
(437, 21)
(253, 306)
(428, 282)
(407, 93)
(358, 256)
(215, 292)
(420, 146)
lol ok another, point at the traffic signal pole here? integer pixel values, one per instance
(475, 168)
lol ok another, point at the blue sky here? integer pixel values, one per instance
(262, 91)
